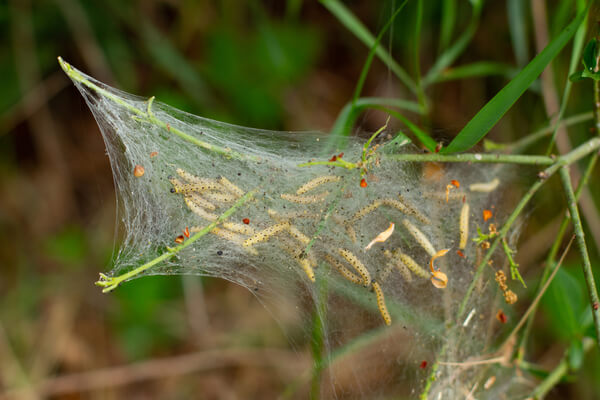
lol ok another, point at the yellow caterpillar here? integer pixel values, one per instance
(305, 199)
(345, 272)
(358, 266)
(195, 184)
(364, 211)
(413, 266)
(414, 212)
(419, 237)
(227, 235)
(196, 209)
(265, 234)
(381, 304)
(202, 202)
(230, 186)
(318, 181)
(299, 236)
(403, 269)
(220, 197)
(485, 187)
(464, 226)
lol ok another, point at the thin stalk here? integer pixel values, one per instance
(521, 144)
(558, 373)
(587, 265)
(474, 158)
(417, 55)
(317, 339)
(349, 20)
(111, 282)
(147, 115)
(569, 158)
(550, 260)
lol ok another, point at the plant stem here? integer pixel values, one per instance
(551, 259)
(587, 266)
(569, 158)
(475, 158)
(111, 282)
(147, 115)
(558, 373)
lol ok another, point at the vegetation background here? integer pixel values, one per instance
(285, 65)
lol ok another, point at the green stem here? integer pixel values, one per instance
(558, 373)
(522, 144)
(338, 163)
(551, 259)
(587, 265)
(474, 158)
(569, 158)
(147, 115)
(111, 282)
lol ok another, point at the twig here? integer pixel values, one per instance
(475, 158)
(111, 282)
(558, 373)
(163, 368)
(587, 266)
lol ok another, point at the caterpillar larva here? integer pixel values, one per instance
(364, 211)
(195, 184)
(345, 272)
(381, 304)
(413, 211)
(351, 232)
(305, 261)
(220, 197)
(485, 187)
(227, 235)
(291, 215)
(265, 234)
(227, 184)
(318, 181)
(358, 266)
(202, 202)
(305, 199)
(239, 228)
(299, 236)
(196, 209)
(419, 237)
(464, 226)
(413, 266)
(395, 262)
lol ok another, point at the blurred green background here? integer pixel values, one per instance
(285, 65)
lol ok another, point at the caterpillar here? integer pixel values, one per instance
(202, 202)
(299, 236)
(364, 211)
(220, 197)
(196, 209)
(306, 262)
(239, 228)
(464, 226)
(419, 237)
(345, 272)
(318, 181)
(395, 262)
(227, 184)
(291, 215)
(195, 184)
(358, 266)
(265, 234)
(305, 199)
(381, 304)
(227, 235)
(412, 265)
(485, 187)
(413, 211)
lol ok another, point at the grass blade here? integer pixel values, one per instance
(517, 24)
(447, 23)
(491, 113)
(476, 69)
(346, 18)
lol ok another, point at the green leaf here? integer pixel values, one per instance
(353, 24)
(575, 355)
(563, 303)
(491, 113)
(590, 55)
